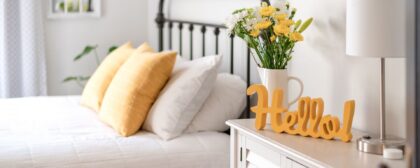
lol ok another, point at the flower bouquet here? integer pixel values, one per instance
(270, 31)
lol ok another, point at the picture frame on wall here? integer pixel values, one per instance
(58, 9)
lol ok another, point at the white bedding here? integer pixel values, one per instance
(57, 132)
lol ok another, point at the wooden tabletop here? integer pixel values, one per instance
(324, 153)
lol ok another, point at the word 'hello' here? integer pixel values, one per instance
(309, 111)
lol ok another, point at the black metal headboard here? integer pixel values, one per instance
(161, 20)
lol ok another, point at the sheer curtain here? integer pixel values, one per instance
(22, 55)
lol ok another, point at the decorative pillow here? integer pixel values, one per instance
(183, 96)
(226, 101)
(134, 89)
(97, 85)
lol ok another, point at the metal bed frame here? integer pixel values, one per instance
(161, 21)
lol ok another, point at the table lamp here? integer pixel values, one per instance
(376, 28)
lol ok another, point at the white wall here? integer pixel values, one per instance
(121, 21)
(320, 61)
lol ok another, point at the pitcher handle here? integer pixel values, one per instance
(301, 89)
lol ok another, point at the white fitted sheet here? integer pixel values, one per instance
(57, 132)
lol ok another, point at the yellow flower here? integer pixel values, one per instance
(286, 22)
(267, 10)
(255, 33)
(263, 25)
(273, 38)
(280, 17)
(281, 30)
(296, 36)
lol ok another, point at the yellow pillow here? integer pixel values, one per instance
(97, 85)
(134, 89)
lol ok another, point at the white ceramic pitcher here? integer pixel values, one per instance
(278, 78)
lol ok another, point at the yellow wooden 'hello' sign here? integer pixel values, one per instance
(308, 120)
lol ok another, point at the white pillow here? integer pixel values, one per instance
(183, 96)
(226, 101)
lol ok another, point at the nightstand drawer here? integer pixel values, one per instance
(259, 153)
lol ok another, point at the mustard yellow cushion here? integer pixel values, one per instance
(97, 85)
(134, 89)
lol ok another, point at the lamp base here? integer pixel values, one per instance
(374, 145)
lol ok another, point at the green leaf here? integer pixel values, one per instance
(76, 78)
(61, 6)
(297, 24)
(70, 78)
(83, 78)
(305, 25)
(85, 52)
(249, 41)
(112, 49)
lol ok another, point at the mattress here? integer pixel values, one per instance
(57, 132)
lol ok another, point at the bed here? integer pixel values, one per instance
(58, 132)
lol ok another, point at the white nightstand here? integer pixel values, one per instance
(250, 146)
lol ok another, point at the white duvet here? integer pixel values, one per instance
(57, 132)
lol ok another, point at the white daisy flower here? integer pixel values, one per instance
(281, 4)
(233, 20)
(249, 25)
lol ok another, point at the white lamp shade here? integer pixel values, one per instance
(375, 28)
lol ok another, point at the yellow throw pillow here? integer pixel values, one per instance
(134, 89)
(97, 85)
